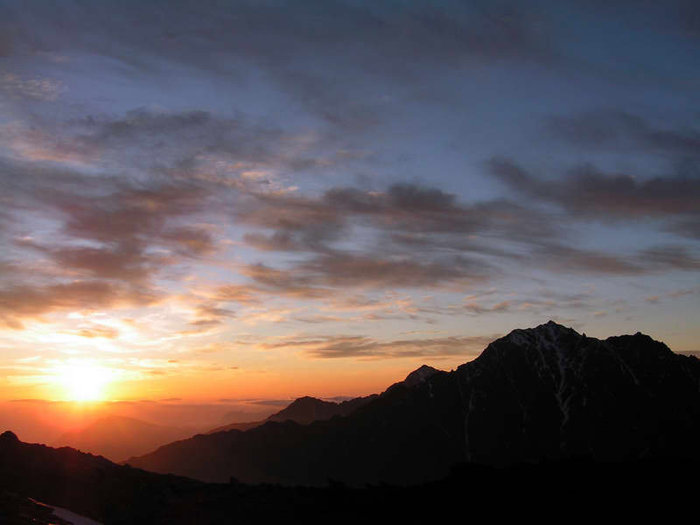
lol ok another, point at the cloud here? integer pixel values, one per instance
(201, 326)
(77, 240)
(689, 18)
(406, 207)
(317, 277)
(36, 89)
(412, 236)
(212, 150)
(21, 302)
(126, 262)
(298, 223)
(285, 282)
(124, 234)
(671, 257)
(573, 260)
(208, 316)
(590, 193)
(187, 179)
(194, 241)
(243, 294)
(333, 347)
(393, 231)
(271, 402)
(479, 309)
(98, 331)
(656, 259)
(614, 129)
(309, 50)
(301, 222)
(179, 141)
(132, 233)
(272, 34)
(129, 214)
(421, 237)
(689, 227)
(6, 46)
(345, 270)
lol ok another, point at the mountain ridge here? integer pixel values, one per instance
(120, 437)
(118, 495)
(543, 393)
(303, 410)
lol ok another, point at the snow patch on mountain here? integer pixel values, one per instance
(420, 375)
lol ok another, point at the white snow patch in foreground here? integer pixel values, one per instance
(65, 514)
(74, 518)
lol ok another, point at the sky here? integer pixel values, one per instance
(219, 201)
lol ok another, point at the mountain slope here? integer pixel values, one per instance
(118, 438)
(89, 485)
(537, 394)
(303, 410)
(551, 393)
(120, 495)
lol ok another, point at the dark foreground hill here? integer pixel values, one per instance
(119, 495)
(541, 394)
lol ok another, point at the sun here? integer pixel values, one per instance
(83, 381)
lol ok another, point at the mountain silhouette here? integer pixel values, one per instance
(541, 394)
(114, 494)
(420, 375)
(118, 438)
(304, 410)
(544, 416)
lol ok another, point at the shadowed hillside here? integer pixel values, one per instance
(120, 495)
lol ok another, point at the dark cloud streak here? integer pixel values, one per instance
(615, 129)
(590, 193)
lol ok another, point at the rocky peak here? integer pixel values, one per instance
(549, 332)
(8, 436)
(419, 375)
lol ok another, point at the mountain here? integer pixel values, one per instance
(118, 438)
(540, 394)
(420, 375)
(552, 393)
(88, 485)
(120, 495)
(307, 409)
(304, 410)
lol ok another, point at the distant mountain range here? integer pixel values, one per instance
(118, 438)
(304, 410)
(541, 394)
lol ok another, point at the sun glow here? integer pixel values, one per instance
(84, 381)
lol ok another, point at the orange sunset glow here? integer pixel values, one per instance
(83, 381)
(261, 257)
(239, 245)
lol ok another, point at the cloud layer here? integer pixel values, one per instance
(194, 187)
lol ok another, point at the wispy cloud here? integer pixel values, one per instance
(12, 85)
(329, 347)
